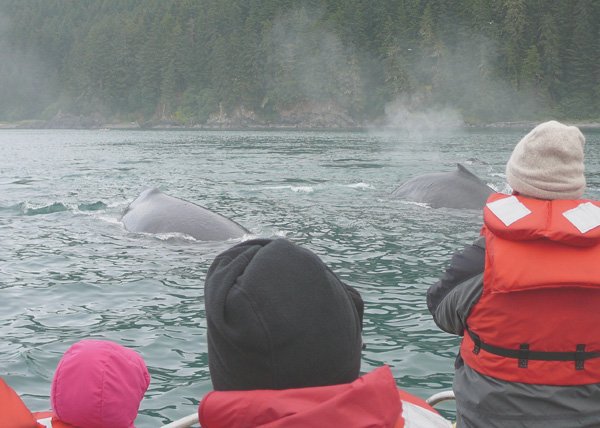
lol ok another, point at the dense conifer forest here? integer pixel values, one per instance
(249, 62)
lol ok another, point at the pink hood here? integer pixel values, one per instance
(371, 401)
(99, 384)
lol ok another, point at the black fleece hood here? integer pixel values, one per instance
(279, 318)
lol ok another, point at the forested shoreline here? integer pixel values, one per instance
(312, 63)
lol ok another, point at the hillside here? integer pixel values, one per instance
(312, 63)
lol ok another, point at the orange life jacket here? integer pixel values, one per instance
(49, 419)
(15, 413)
(538, 316)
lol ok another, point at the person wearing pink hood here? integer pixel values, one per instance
(97, 384)
(284, 347)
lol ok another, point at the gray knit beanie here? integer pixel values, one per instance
(548, 163)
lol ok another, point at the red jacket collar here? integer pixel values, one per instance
(370, 401)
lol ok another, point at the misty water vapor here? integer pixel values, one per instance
(24, 80)
(308, 63)
(400, 116)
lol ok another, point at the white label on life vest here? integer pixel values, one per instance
(508, 209)
(585, 217)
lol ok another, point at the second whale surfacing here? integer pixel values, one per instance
(456, 189)
(156, 212)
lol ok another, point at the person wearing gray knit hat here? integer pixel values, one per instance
(525, 295)
(548, 163)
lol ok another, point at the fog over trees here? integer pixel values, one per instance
(193, 61)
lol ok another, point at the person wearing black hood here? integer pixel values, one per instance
(284, 347)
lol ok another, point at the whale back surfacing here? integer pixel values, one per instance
(156, 212)
(459, 189)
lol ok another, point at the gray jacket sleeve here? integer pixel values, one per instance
(451, 299)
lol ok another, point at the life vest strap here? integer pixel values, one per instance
(524, 354)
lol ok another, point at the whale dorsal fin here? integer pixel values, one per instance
(463, 170)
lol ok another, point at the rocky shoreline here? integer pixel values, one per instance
(319, 118)
(302, 116)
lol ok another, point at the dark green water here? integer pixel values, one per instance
(68, 269)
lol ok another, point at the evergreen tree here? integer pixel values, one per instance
(582, 61)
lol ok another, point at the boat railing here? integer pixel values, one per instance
(440, 397)
(185, 422)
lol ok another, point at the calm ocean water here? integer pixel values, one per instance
(68, 269)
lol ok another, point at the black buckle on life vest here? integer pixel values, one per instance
(523, 355)
(579, 357)
(476, 342)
